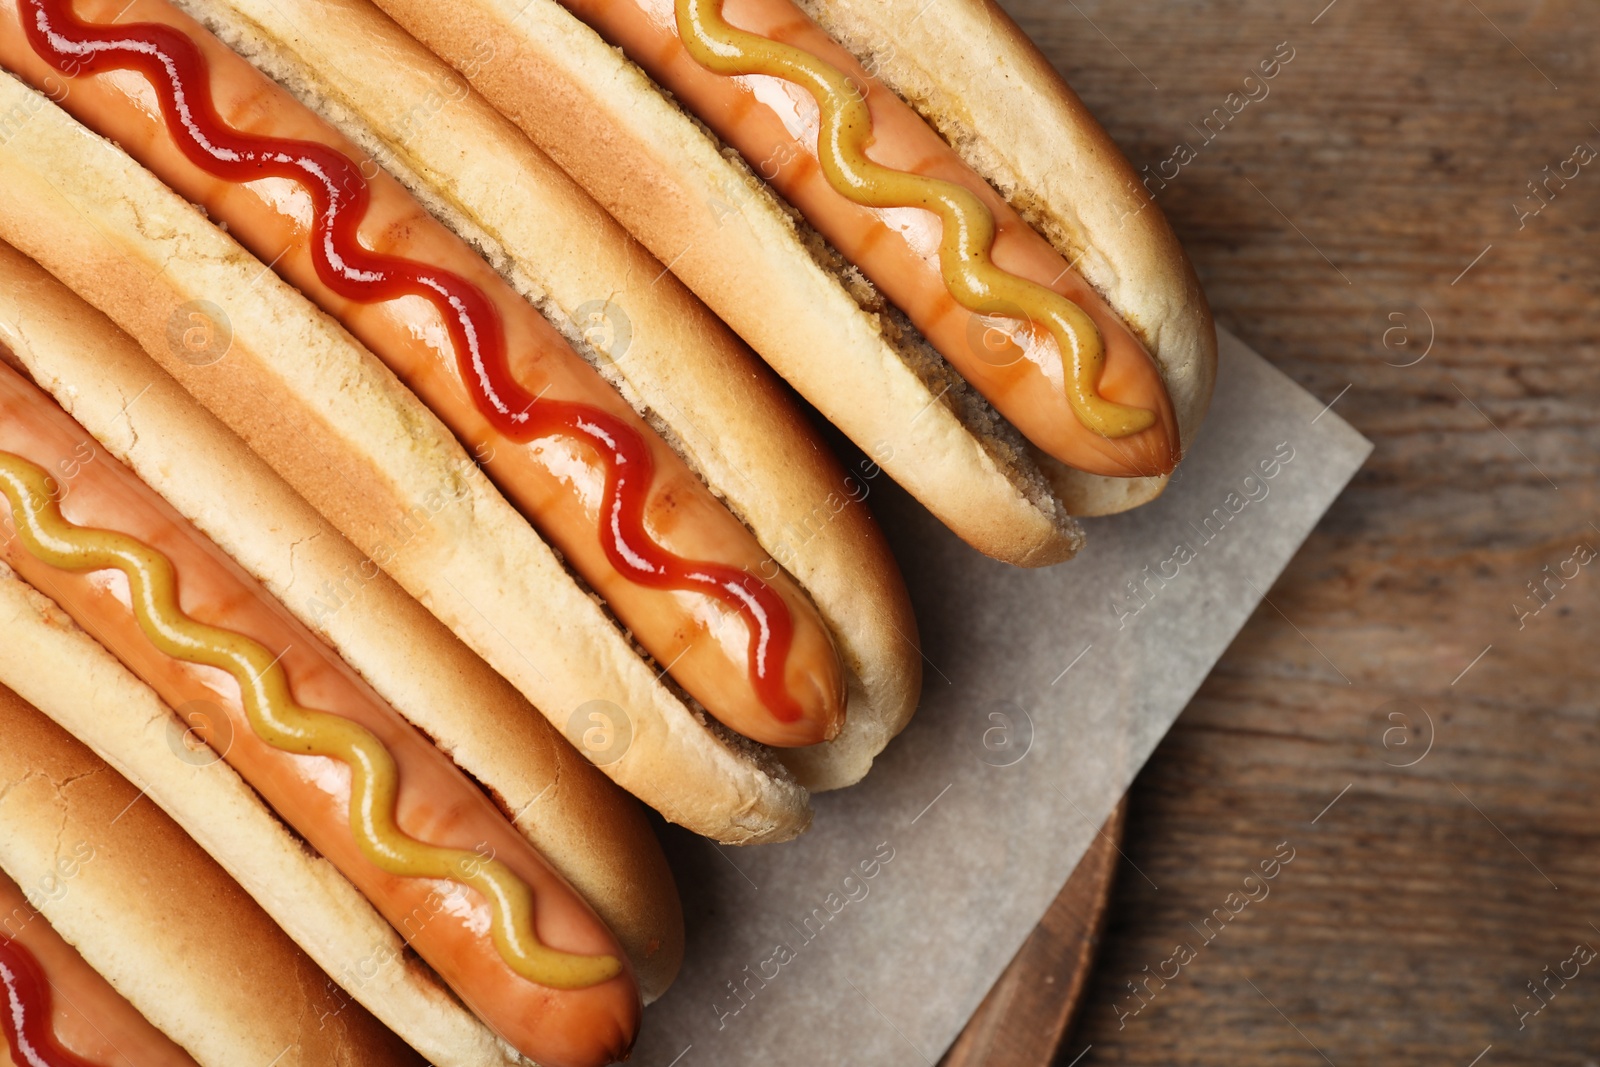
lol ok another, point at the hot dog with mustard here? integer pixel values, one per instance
(521, 856)
(370, 793)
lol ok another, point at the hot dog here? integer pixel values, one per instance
(522, 949)
(187, 970)
(690, 581)
(979, 287)
(543, 971)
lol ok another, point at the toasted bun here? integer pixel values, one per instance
(596, 836)
(362, 450)
(817, 321)
(682, 368)
(159, 919)
(47, 661)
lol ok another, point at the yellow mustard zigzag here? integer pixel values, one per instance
(969, 227)
(277, 719)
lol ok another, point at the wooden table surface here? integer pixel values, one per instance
(1428, 759)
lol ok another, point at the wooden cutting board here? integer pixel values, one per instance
(1026, 1016)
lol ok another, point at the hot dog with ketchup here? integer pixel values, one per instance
(976, 228)
(687, 578)
(190, 970)
(513, 390)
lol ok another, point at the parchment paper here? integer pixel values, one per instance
(872, 939)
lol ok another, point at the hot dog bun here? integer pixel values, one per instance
(478, 574)
(161, 921)
(599, 841)
(972, 74)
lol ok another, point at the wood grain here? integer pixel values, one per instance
(1338, 225)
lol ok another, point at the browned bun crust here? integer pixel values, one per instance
(819, 323)
(336, 425)
(591, 832)
(159, 919)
